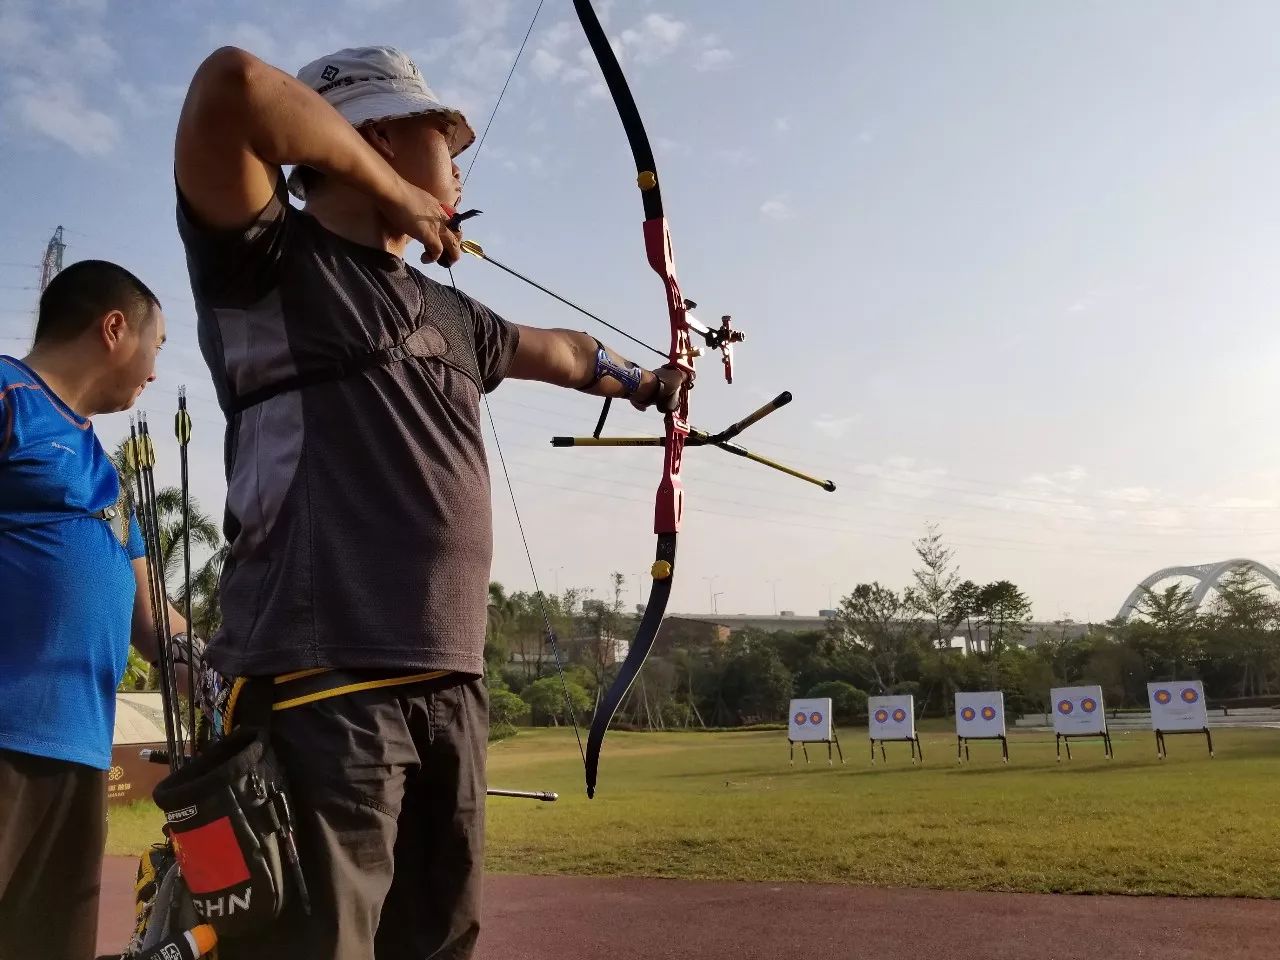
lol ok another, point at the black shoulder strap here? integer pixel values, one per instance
(337, 371)
(435, 336)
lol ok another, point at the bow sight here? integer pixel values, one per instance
(723, 338)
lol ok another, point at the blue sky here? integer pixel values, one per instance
(1013, 260)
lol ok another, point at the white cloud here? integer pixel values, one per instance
(20, 35)
(47, 72)
(734, 157)
(559, 33)
(90, 7)
(157, 100)
(834, 427)
(1131, 494)
(655, 37)
(92, 53)
(782, 125)
(776, 209)
(896, 470)
(1242, 503)
(713, 58)
(138, 103)
(482, 19)
(1061, 480)
(546, 65)
(59, 112)
(246, 36)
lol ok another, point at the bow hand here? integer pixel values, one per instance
(663, 388)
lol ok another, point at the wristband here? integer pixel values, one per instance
(630, 376)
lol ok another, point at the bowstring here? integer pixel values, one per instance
(494, 112)
(493, 427)
(524, 539)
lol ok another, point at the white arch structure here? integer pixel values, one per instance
(1208, 575)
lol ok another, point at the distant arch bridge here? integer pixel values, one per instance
(1207, 574)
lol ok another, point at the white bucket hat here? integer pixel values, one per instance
(368, 84)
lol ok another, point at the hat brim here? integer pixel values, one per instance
(396, 105)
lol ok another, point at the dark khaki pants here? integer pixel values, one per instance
(53, 825)
(388, 791)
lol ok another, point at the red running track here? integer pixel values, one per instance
(554, 918)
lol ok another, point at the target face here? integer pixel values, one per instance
(980, 714)
(810, 720)
(891, 717)
(1078, 711)
(1178, 706)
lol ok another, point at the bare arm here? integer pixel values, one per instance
(143, 631)
(567, 358)
(243, 119)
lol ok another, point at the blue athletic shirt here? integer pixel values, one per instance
(66, 583)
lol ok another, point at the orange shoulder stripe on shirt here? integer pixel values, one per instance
(56, 404)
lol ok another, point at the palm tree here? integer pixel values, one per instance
(204, 533)
(503, 609)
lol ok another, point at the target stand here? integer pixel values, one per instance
(917, 749)
(1178, 707)
(1105, 736)
(1162, 750)
(810, 722)
(791, 759)
(962, 747)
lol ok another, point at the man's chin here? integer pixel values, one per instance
(129, 404)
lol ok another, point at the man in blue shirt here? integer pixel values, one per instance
(73, 594)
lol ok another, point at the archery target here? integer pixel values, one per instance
(1078, 710)
(1177, 705)
(980, 714)
(810, 719)
(892, 718)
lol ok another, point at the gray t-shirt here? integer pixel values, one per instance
(358, 511)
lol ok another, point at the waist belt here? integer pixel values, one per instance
(301, 687)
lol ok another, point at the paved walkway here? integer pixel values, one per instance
(561, 918)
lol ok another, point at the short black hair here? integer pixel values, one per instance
(82, 293)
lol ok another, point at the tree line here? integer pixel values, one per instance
(881, 640)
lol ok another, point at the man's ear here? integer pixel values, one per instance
(378, 136)
(112, 328)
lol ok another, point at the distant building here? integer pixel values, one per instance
(139, 725)
(700, 629)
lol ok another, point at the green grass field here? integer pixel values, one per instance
(726, 806)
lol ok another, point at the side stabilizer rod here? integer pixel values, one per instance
(701, 438)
